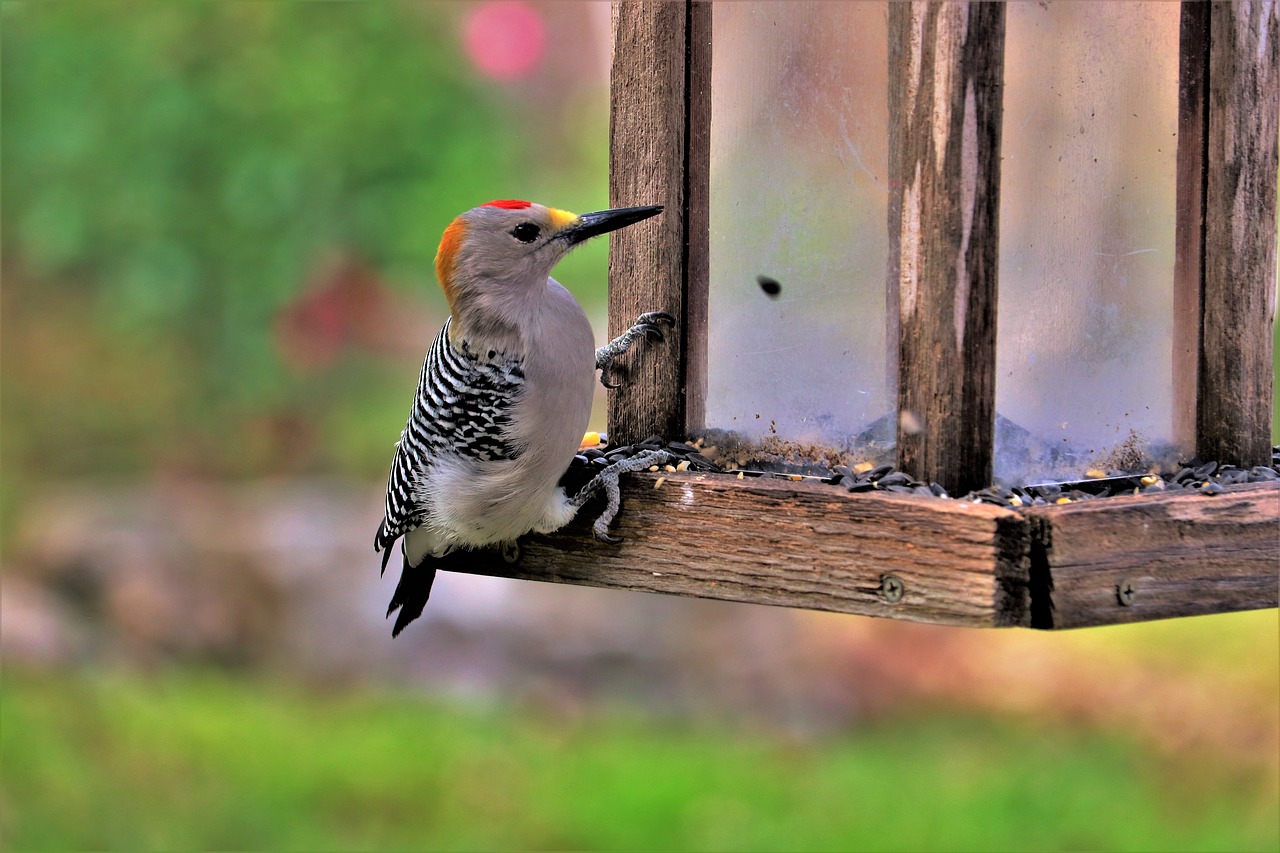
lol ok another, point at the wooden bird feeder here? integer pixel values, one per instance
(948, 137)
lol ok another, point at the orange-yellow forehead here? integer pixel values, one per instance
(445, 255)
(561, 218)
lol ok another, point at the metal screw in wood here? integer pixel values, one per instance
(891, 588)
(1126, 593)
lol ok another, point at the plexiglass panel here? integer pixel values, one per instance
(798, 246)
(1085, 374)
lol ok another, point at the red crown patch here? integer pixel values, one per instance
(510, 204)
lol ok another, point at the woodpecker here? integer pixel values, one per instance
(504, 396)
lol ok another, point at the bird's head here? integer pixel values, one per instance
(505, 250)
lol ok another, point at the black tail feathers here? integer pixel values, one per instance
(414, 587)
(411, 593)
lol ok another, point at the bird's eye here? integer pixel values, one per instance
(526, 232)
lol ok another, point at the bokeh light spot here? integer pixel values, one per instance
(504, 39)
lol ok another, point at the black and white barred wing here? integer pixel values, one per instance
(462, 406)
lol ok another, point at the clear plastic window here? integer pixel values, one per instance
(798, 243)
(1084, 363)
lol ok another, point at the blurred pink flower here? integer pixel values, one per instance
(505, 39)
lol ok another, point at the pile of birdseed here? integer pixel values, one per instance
(680, 452)
(1207, 478)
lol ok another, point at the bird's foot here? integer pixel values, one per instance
(647, 326)
(608, 480)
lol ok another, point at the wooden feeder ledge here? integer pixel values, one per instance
(936, 560)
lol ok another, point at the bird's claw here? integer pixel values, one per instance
(651, 322)
(648, 326)
(607, 480)
(652, 317)
(652, 332)
(604, 378)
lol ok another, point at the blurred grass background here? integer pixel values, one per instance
(219, 220)
(191, 762)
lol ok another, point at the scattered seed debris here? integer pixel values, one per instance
(1195, 475)
(658, 482)
(1129, 455)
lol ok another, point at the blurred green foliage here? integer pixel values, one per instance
(175, 173)
(192, 763)
(181, 165)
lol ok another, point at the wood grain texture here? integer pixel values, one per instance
(900, 49)
(1236, 370)
(1180, 554)
(813, 546)
(697, 278)
(1188, 258)
(949, 78)
(796, 545)
(647, 133)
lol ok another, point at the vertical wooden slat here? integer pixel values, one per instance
(900, 46)
(698, 219)
(1188, 259)
(948, 67)
(1236, 371)
(647, 152)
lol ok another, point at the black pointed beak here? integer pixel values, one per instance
(603, 221)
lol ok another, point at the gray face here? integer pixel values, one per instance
(512, 245)
(519, 246)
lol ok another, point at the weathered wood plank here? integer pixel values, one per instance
(1188, 257)
(648, 140)
(796, 545)
(1236, 370)
(947, 192)
(1132, 559)
(807, 545)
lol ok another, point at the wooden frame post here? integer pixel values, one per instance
(1225, 268)
(659, 126)
(1188, 243)
(946, 77)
